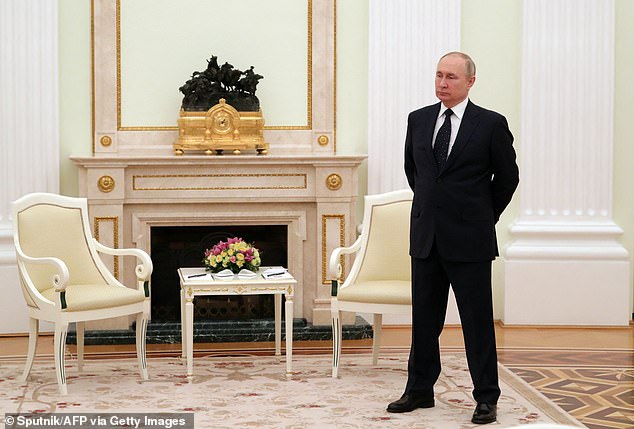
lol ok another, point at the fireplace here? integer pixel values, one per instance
(313, 198)
(173, 247)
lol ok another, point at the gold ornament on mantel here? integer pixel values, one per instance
(105, 184)
(221, 128)
(220, 112)
(334, 181)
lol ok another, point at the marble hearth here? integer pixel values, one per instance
(314, 196)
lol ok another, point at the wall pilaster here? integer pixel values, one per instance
(565, 264)
(29, 124)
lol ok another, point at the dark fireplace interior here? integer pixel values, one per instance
(174, 247)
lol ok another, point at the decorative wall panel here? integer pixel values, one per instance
(130, 61)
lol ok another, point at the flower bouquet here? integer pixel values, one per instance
(235, 254)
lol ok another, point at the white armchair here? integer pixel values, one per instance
(379, 281)
(63, 279)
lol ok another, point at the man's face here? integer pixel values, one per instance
(452, 84)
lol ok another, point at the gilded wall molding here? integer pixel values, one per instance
(324, 244)
(93, 128)
(136, 186)
(115, 237)
(334, 78)
(309, 81)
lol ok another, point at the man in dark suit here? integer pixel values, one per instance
(460, 163)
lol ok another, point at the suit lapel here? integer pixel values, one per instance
(429, 134)
(467, 126)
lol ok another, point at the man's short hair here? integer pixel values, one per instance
(469, 64)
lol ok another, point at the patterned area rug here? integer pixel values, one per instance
(254, 392)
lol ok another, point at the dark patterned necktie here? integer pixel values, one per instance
(441, 146)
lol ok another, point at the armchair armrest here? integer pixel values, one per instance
(60, 279)
(335, 266)
(143, 270)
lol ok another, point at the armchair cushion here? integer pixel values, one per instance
(94, 296)
(378, 292)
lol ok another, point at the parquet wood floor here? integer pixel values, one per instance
(594, 386)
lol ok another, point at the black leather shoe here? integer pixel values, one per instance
(409, 402)
(484, 413)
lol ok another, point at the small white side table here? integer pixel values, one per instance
(199, 286)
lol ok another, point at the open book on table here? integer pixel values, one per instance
(276, 273)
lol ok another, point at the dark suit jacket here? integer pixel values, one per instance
(459, 206)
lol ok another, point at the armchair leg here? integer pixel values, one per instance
(141, 328)
(376, 342)
(34, 326)
(336, 339)
(80, 326)
(59, 343)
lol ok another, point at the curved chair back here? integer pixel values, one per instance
(50, 230)
(384, 252)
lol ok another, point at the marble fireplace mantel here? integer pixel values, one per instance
(315, 196)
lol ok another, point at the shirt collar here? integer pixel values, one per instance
(457, 110)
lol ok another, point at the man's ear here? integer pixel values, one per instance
(471, 81)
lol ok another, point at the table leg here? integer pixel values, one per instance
(183, 326)
(288, 314)
(189, 323)
(278, 324)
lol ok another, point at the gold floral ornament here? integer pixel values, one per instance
(105, 184)
(334, 181)
(323, 140)
(105, 141)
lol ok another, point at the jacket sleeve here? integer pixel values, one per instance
(410, 166)
(504, 167)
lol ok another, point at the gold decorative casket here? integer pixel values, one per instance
(221, 128)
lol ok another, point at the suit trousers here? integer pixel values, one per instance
(471, 283)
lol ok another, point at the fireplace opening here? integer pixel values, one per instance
(174, 247)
